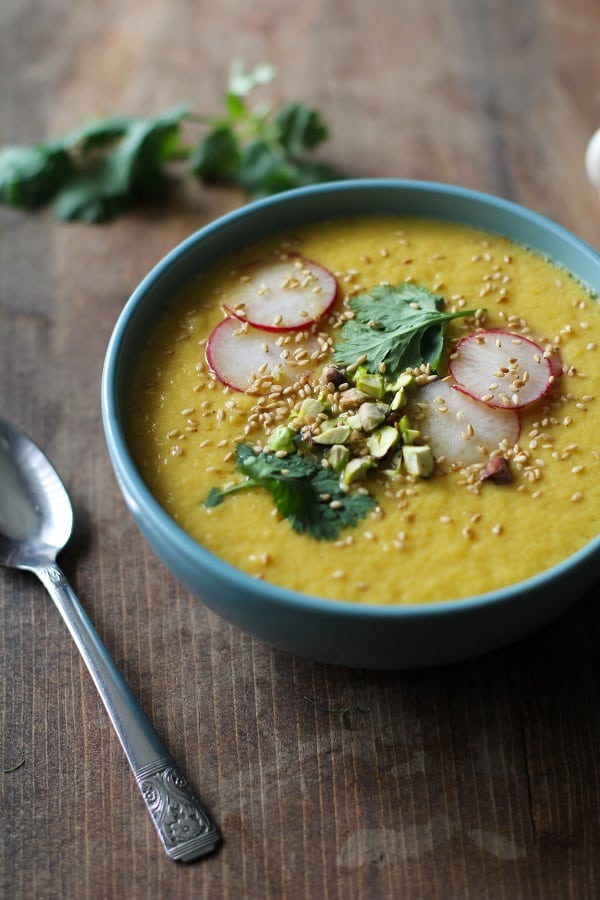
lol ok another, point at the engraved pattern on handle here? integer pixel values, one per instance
(54, 574)
(184, 827)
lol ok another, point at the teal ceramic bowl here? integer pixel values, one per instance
(380, 637)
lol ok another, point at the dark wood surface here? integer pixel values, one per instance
(480, 780)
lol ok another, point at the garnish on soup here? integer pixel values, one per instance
(366, 411)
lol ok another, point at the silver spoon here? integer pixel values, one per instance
(36, 520)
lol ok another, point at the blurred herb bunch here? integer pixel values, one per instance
(96, 172)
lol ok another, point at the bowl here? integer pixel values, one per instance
(333, 631)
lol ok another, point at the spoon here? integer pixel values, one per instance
(36, 520)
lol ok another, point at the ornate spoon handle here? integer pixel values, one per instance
(183, 825)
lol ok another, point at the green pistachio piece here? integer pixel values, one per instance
(282, 439)
(381, 441)
(398, 400)
(354, 422)
(409, 435)
(336, 434)
(370, 384)
(402, 381)
(310, 409)
(356, 469)
(338, 456)
(372, 415)
(351, 399)
(418, 460)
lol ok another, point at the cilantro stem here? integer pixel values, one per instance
(216, 495)
(97, 171)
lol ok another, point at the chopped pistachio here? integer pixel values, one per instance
(402, 381)
(418, 460)
(337, 457)
(333, 375)
(356, 469)
(398, 400)
(372, 415)
(370, 384)
(409, 435)
(381, 441)
(354, 422)
(351, 399)
(282, 439)
(310, 409)
(335, 434)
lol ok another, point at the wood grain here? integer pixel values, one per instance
(480, 780)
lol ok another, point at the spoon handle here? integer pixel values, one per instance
(183, 825)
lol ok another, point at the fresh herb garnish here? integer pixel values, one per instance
(395, 328)
(304, 492)
(262, 150)
(98, 171)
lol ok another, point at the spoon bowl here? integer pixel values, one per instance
(36, 520)
(36, 517)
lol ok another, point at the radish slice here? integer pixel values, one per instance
(239, 355)
(501, 368)
(283, 294)
(461, 430)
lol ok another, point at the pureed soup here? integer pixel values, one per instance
(433, 434)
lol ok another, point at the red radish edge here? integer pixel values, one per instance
(329, 292)
(235, 353)
(491, 385)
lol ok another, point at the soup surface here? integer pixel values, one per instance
(446, 536)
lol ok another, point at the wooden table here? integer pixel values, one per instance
(480, 780)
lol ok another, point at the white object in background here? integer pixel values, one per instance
(592, 159)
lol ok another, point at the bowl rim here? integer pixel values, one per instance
(156, 518)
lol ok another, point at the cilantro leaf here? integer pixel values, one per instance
(299, 128)
(29, 176)
(217, 156)
(266, 169)
(132, 169)
(395, 328)
(302, 491)
(98, 170)
(261, 150)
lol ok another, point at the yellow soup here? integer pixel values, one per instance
(444, 537)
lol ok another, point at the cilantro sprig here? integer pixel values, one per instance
(395, 328)
(261, 149)
(98, 171)
(304, 493)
